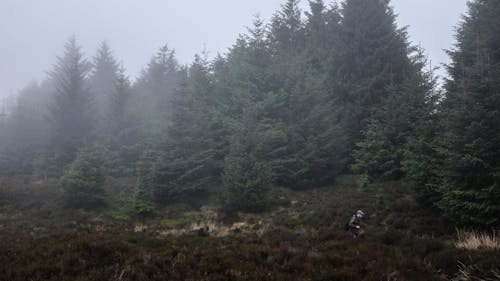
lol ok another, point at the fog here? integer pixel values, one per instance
(247, 140)
(33, 32)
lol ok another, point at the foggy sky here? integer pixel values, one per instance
(33, 32)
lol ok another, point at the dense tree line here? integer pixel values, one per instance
(293, 103)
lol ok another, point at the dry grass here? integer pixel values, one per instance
(212, 228)
(216, 229)
(466, 273)
(472, 240)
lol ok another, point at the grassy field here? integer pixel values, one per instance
(301, 238)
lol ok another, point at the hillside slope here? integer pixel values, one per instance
(302, 239)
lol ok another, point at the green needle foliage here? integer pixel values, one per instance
(84, 180)
(246, 180)
(293, 103)
(470, 143)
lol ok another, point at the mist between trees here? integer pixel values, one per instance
(295, 102)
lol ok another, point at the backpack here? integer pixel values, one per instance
(347, 227)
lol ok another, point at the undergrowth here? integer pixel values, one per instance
(301, 238)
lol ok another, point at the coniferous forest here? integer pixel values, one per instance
(247, 166)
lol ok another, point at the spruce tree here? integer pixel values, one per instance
(285, 104)
(286, 29)
(246, 178)
(122, 135)
(471, 120)
(103, 78)
(324, 149)
(84, 180)
(155, 87)
(118, 116)
(405, 115)
(24, 129)
(373, 58)
(142, 198)
(72, 112)
(191, 160)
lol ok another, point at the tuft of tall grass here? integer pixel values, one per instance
(473, 240)
(212, 228)
(216, 229)
(467, 273)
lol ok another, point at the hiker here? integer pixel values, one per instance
(354, 224)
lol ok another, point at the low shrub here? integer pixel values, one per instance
(445, 260)
(391, 237)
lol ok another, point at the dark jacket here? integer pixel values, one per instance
(354, 222)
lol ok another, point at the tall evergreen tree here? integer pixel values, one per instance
(324, 149)
(155, 88)
(120, 97)
(122, 135)
(24, 129)
(246, 180)
(286, 29)
(103, 77)
(283, 106)
(405, 114)
(190, 161)
(471, 119)
(71, 113)
(374, 57)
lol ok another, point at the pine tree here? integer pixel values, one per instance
(421, 158)
(471, 120)
(191, 157)
(71, 113)
(246, 179)
(117, 115)
(142, 198)
(404, 116)
(283, 107)
(324, 149)
(322, 37)
(173, 169)
(24, 129)
(248, 113)
(374, 57)
(286, 29)
(122, 134)
(155, 87)
(84, 180)
(103, 77)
